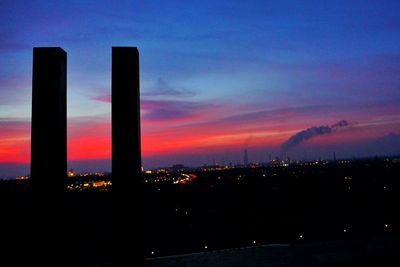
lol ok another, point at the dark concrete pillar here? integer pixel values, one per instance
(126, 157)
(49, 120)
(48, 155)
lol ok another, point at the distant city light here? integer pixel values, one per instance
(22, 178)
(71, 173)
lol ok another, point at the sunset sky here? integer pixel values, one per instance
(216, 77)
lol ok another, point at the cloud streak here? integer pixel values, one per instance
(163, 89)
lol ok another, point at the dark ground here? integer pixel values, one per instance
(230, 209)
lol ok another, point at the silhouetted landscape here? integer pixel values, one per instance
(349, 201)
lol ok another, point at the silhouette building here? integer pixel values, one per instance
(125, 110)
(126, 157)
(49, 119)
(245, 158)
(48, 154)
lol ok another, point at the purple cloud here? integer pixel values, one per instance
(162, 88)
(168, 110)
(102, 98)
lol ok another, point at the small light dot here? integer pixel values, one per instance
(345, 231)
(386, 225)
(152, 253)
(206, 247)
(254, 242)
(301, 236)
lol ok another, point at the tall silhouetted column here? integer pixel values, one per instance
(126, 157)
(49, 119)
(48, 154)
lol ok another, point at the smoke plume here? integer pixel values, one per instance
(309, 133)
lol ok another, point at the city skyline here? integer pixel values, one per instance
(216, 78)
